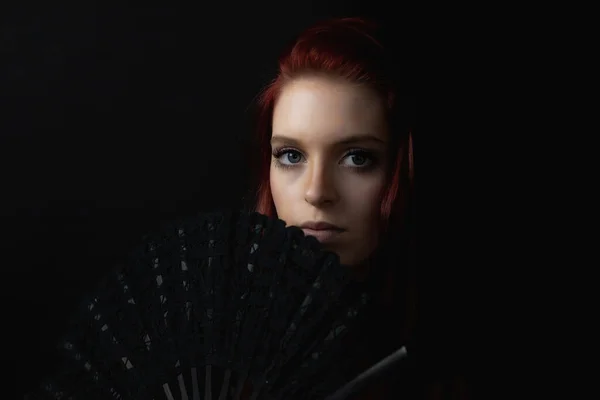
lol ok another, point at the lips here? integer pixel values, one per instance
(323, 235)
(323, 231)
(320, 225)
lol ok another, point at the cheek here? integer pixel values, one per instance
(280, 190)
(275, 183)
(364, 194)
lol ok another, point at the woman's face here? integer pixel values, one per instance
(330, 152)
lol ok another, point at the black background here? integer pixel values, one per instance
(117, 118)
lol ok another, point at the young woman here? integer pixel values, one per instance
(335, 158)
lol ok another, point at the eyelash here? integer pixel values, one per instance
(371, 159)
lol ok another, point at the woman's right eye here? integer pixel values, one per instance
(289, 157)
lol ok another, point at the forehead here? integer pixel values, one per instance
(322, 110)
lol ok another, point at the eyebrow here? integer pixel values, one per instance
(348, 140)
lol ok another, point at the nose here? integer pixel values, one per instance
(321, 188)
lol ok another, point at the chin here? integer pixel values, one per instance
(349, 260)
(348, 257)
(354, 260)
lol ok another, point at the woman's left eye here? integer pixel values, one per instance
(359, 159)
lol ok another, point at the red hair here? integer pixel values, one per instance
(346, 48)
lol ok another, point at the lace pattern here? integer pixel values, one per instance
(227, 305)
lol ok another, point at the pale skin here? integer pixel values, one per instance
(330, 151)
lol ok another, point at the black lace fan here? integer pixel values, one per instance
(227, 305)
